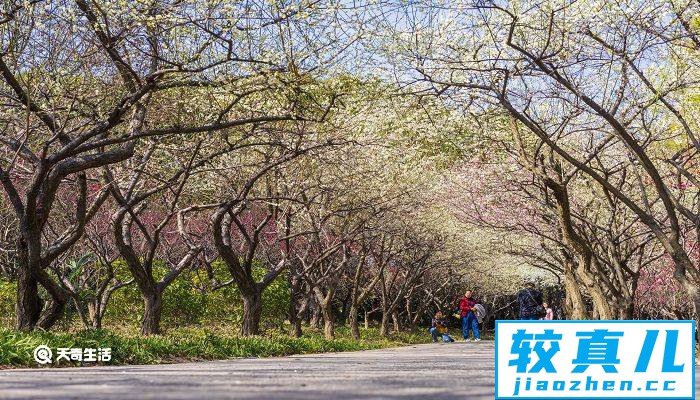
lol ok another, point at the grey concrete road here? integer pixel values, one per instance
(460, 370)
(439, 371)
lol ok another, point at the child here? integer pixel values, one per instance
(438, 328)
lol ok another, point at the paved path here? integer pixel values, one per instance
(432, 371)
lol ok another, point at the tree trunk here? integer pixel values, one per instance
(683, 266)
(626, 310)
(315, 321)
(53, 311)
(153, 307)
(694, 295)
(395, 321)
(328, 329)
(384, 325)
(345, 310)
(575, 308)
(252, 310)
(600, 302)
(28, 305)
(294, 320)
(328, 321)
(586, 270)
(95, 314)
(366, 320)
(295, 328)
(294, 315)
(353, 321)
(82, 309)
(696, 300)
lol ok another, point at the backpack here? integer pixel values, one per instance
(480, 312)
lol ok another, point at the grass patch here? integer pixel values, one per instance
(184, 344)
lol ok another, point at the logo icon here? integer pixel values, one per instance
(595, 359)
(43, 354)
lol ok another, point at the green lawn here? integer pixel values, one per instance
(187, 344)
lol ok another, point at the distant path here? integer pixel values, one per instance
(460, 370)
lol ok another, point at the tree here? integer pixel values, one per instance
(145, 234)
(115, 75)
(573, 75)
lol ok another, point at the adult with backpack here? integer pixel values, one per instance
(530, 302)
(468, 315)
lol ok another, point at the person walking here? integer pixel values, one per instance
(529, 301)
(467, 313)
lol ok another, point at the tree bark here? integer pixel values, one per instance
(584, 253)
(575, 308)
(353, 321)
(295, 328)
(694, 295)
(28, 305)
(395, 321)
(294, 320)
(626, 310)
(345, 310)
(683, 265)
(252, 310)
(315, 321)
(696, 301)
(83, 311)
(328, 321)
(384, 325)
(58, 297)
(600, 301)
(153, 307)
(94, 315)
(53, 311)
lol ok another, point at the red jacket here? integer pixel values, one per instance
(465, 306)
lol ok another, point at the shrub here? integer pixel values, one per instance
(8, 293)
(16, 348)
(189, 302)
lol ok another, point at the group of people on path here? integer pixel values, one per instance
(471, 313)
